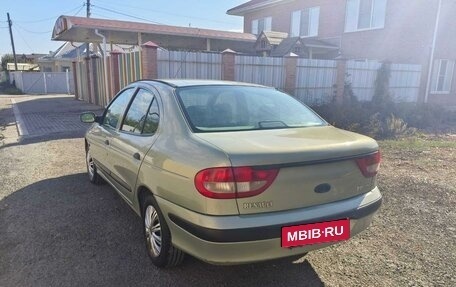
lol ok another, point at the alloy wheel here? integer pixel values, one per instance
(153, 230)
(90, 165)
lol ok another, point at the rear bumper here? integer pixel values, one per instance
(265, 232)
(250, 238)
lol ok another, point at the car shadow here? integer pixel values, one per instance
(65, 231)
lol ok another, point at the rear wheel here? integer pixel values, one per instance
(158, 237)
(92, 169)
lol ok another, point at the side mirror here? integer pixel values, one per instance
(88, 117)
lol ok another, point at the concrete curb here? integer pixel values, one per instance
(22, 129)
(8, 126)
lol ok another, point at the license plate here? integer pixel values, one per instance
(314, 233)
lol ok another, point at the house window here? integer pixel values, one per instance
(305, 22)
(442, 76)
(260, 25)
(365, 14)
(263, 44)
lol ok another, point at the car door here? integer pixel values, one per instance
(100, 135)
(133, 140)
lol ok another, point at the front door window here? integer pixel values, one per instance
(116, 109)
(137, 113)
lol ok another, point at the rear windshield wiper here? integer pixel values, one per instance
(272, 124)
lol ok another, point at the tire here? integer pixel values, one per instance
(158, 237)
(92, 170)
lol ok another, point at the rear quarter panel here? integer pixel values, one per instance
(169, 168)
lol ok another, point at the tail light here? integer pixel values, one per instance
(233, 182)
(369, 165)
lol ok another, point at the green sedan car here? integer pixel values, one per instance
(230, 172)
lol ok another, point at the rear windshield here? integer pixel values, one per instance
(236, 108)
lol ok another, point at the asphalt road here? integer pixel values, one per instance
(57, 229)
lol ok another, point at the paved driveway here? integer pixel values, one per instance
(57, 229)
(50, 115)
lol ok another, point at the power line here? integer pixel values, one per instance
(75, 14)
(23, 39)
(33, 32)
(41, 32)
(128, 15)
(50, 18)
(164, 12)
(103, 16)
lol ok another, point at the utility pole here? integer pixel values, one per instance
(88, 16)
(12, 41)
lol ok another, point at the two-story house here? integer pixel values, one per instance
(400, 31)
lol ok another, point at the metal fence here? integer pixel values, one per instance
(43, 83)
(98, 82)
(404, 80)
(82, 84)
(312, 81)
(130, 69)
(268, 71)
(315, 80)
(362, 75)
(189, 65)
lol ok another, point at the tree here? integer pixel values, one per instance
(7, 58)
(382, 97)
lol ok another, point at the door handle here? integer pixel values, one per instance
(136, 156)
(106, 142)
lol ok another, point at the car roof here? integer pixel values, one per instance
(178, 83)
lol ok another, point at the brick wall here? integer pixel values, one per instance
(406, 37)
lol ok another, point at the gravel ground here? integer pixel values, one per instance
(413, 239)
(56, 229)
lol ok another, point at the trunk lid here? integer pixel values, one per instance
(316, 164)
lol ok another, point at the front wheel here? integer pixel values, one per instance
(158, 237)
(92, 169)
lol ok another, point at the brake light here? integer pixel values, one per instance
(233, 182)
(369, 165)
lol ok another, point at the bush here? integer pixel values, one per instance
(389, 121)
(8, 89)
(395, 127)
(428, 117)
(382, 118)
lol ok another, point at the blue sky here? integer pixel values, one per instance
(33, 20)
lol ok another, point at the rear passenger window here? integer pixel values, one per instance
(137, 113)
(153, 116)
